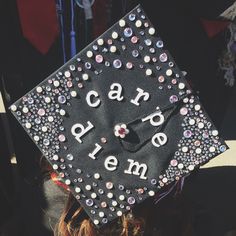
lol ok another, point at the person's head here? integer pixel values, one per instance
(170, 217)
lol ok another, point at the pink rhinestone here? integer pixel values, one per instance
(134, 39)
(79, 68)
(56, 91)
(146, 24)
(161, 79)
(197, 143)
(80, 85)
(109, 41)
(154, 59)
(41, 112)
(62, 138)
(103, 140)
(50, 81)
(174, 162)
(183, 111)
(174, 81)
(69, 84)
(99, 58)
(103, 204)
(140, 191)
(129, 65)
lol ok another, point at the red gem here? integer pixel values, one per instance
(121, 131)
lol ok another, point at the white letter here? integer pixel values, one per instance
(95, 151)
(137, 166)
(89, 100)
(116, 94)
(83, 131)
(161, 138)
(111, 163)
(140, 94)
(155, 115)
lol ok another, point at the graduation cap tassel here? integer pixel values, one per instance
(61, 21)
(72, 32)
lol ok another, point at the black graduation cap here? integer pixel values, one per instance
(119, 122)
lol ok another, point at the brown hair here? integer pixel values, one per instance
(127, 225)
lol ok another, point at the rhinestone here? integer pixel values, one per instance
(187, 133)
(117, 63)
(128, 32)
(153, 181)
(191, 167)
(138, 23)
(185, 149)
(121, 197)
(180, 166)
(151, 193)
(212, 149)
(131, 200)
(109, 185)
(99, 58)
(135, 53)
(151, 31)
(89, 54)
(62, 112)
(88, 65)
(28, 125)
(62, 138)
(183, 111)
(100, 42)
(41, 112)
(73, 93)
(163, 57)
(148, 42)
(56, 83)
(104, 220)
(146, 59)
(215, 132)
(62, 99)
(169, 72)
(201, 125)
(30, 100)
(36, 138)
(110, 195)
(39, 89)
(122, 23)
(132, 17)
(148, 72)
(77, 190)
(113, 49)
(89, 202)
(198, 150)
(93, 195)
(25, 110)
(223, 148)
(88, 187)
(191, 121)
(67, 182)
(100, 191)
(114, 35)
(103, 204)
(101, 214)
(44, 129)
(134, 39)
(181, 85)
(129, 65)
(97, 176)
(55, 167)
(37, 121)
(173, 99)
(114, 203)
(46, 142)
(55, 157)
(119, 213)
(161, 78)
(152, 50)
(121, 187)
(85, 76)
(197, 107)
(159, 44)
(69, 157)
(67, 75)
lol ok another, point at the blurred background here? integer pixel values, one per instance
(37, 37)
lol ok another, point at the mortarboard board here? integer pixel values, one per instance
(119, 122)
